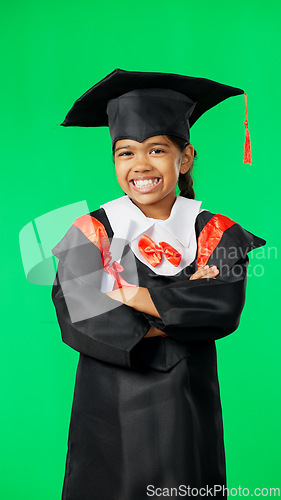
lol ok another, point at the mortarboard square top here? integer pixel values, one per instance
(138, 105)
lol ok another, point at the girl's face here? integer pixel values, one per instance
(148, 171)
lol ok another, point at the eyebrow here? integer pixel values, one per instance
(148, 144)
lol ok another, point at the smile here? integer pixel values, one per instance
(147, 185)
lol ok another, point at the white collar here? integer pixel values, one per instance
(128, 221)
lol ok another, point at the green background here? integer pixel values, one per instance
(51, 54)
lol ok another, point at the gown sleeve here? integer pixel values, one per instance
(208, 309)
(91, 322)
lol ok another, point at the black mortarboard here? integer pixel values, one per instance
(137, 105)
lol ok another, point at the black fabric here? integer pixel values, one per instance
(168, 113)
(147, 411)
(90, 321)
(138, 105)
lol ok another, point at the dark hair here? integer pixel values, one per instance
(185, 181)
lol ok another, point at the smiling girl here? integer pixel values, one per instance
(145, 286)
(149, 176)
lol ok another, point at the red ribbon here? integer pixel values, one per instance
(114, 269)
(153, 253)
(95, 231)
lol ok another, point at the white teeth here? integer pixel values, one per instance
(146, 182)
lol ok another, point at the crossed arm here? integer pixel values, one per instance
(199, 310)
(140, 298)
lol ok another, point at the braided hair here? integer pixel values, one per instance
(185, 181)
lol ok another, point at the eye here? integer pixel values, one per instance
(159, 150)
(126, 153)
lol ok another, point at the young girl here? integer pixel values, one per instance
(145, 285)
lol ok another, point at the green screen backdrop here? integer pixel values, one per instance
(51, 54)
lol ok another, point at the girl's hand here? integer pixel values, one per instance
(205, 272)
(136, 297)
(124, 294)
(153, 332)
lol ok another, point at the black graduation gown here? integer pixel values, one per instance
(147, 411)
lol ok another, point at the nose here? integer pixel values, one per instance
(142, 167)
(142, 163)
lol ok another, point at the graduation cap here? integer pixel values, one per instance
(137, 105)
